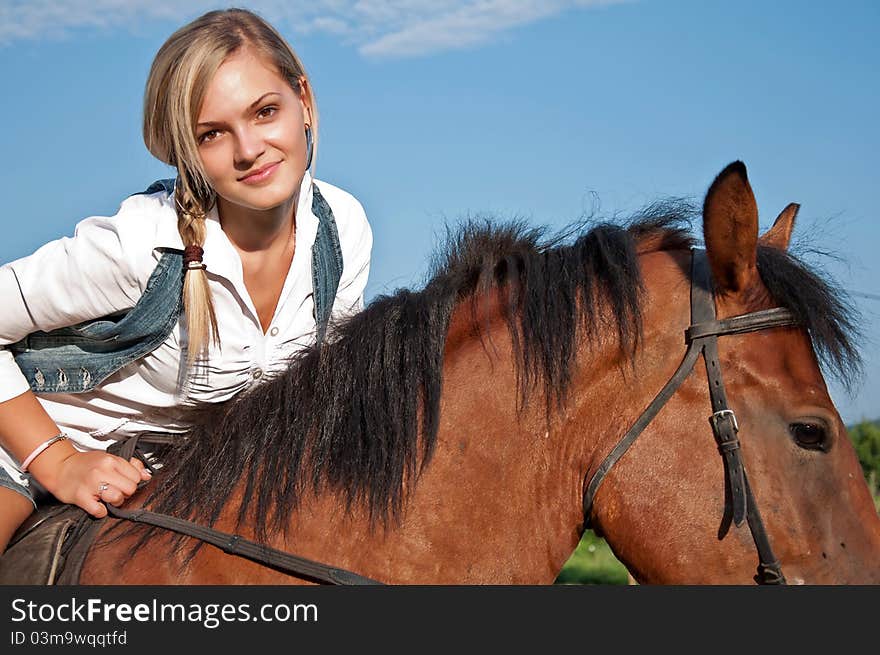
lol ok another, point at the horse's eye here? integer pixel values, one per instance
(812, 435)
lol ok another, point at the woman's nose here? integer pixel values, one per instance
(249, 146)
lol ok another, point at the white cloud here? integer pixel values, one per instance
(460, 26)
(377, 28)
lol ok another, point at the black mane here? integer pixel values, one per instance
(359, 415)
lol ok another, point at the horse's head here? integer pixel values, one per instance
(675, 509)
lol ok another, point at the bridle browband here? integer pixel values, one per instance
(702, 338)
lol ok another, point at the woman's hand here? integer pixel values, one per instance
(87, 478)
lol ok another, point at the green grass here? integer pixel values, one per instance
(593, 563)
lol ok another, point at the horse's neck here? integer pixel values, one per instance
(501, 499)
(623, 396)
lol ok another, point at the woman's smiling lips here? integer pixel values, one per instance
(261, 175)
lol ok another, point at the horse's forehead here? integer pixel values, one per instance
(781, 361)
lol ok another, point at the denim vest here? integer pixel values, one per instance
(76, 359)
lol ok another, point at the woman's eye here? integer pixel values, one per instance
(812, 436)
(208, 136)
(265, 112)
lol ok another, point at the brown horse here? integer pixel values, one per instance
(448, 435)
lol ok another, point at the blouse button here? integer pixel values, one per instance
(257, 373)
(274, 332)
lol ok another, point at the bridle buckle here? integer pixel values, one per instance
(721, 413)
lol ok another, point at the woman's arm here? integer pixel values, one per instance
(70, 475)
(64, 283)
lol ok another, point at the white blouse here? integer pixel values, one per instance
(103, 270)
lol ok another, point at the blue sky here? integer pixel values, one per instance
(433, 111)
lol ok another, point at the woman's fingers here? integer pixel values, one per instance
(118, 482)
(91, 479)
(111, 495)
(122, 481)
(127, 470)
(90, 503)
(139, 465)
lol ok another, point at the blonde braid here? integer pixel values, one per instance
(192, 208)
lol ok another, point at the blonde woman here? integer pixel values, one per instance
(196, 290)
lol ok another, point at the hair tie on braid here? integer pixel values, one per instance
(192, 258)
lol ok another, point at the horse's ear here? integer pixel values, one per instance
(779, 235)
(730, 230)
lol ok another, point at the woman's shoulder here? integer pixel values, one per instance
(147, 219)
(102, 268)
(344, 205)
(351, 219)
(134, 237)
(355, 234)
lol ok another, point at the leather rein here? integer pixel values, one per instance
(232, 544)
(702, 338)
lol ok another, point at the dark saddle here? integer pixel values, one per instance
(50, 547)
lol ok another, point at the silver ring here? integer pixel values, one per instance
(103, 487)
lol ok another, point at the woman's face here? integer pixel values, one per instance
(251, 122)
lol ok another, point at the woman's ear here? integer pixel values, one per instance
(305, 97)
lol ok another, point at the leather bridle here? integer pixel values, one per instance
(702, 338)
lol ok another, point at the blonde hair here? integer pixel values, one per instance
(175, 89)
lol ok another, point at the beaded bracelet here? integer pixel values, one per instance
(39, 449)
